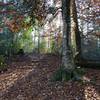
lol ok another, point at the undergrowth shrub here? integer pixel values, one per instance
(65, 75)
(2, 63)
(61, 74)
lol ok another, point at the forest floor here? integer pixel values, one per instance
(29, 78)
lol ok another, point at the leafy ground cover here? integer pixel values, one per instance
(29, 78)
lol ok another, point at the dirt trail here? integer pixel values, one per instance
(29, 79)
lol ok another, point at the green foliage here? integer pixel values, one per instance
(65, 75)
(80, 71)
(43, 46)
(10, 43)
(5, 42)
(53, 47)
(2, 63)
(14, 40)
(62, 75)
(26, 40)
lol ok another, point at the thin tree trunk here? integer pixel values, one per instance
(38, 39)
(67, 61)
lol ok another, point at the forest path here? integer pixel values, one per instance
(28, 78)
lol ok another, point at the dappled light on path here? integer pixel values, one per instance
(30, 79)
(91, 93)
(9, 79)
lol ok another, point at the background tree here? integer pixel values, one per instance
(88, 18)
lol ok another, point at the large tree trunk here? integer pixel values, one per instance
(75, 34)
(67, 61)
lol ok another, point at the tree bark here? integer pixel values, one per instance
(75, 34)
(67, 60)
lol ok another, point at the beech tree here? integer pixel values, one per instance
(66, 55)
(69, 15)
